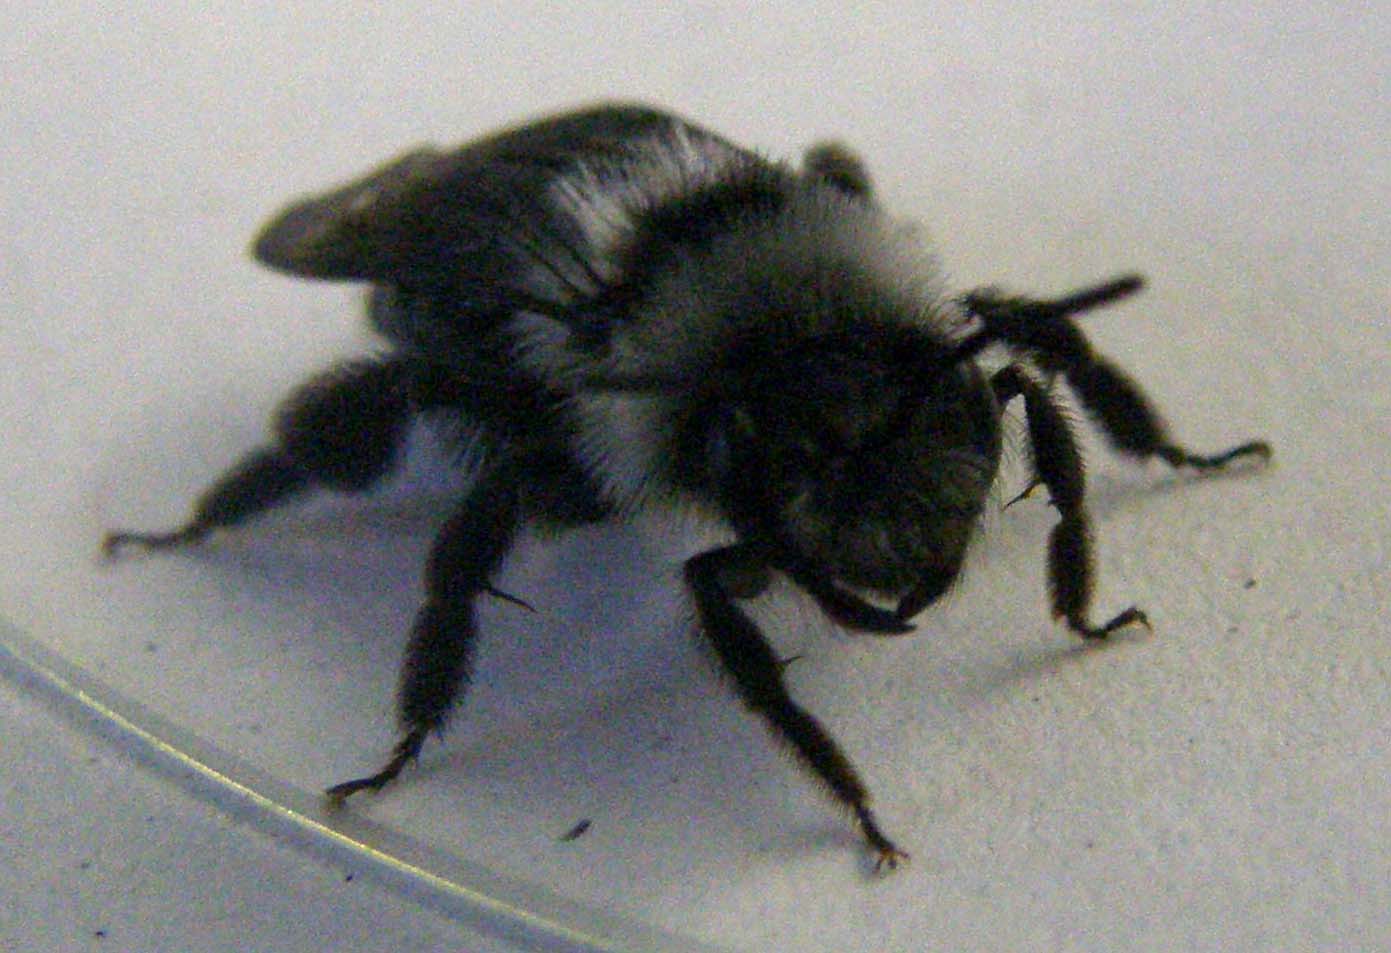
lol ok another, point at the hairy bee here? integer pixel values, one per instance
(627, 311)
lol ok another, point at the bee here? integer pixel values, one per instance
(626, 312)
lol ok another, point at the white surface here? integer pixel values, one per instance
(1220, 785)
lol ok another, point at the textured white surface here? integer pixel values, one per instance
(1221, 785)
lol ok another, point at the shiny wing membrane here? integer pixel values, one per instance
(457, 241)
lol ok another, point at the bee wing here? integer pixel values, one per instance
(464, 216)
(357, 231)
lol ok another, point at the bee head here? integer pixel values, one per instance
(844, 454)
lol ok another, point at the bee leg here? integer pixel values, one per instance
(1059, 467)
(718, 577)
(261, 480)
(1133, 426)
(467, 553)
(1045, 332)
(341, 429)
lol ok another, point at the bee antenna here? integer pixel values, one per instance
(1011, 319)
(1122, 286)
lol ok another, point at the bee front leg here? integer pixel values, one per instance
(468, 552)
(1059, 467)
(716, 579)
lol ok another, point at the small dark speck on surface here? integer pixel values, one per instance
(1249, 584)
(576, 832)
(99, 934)
(151, 647)
(348, 878)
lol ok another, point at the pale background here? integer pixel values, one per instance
(1221, 785)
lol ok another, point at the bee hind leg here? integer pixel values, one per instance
(341, 429)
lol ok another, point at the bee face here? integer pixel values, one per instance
(881, 514)
(860, 467)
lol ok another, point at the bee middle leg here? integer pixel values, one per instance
(716, 579)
